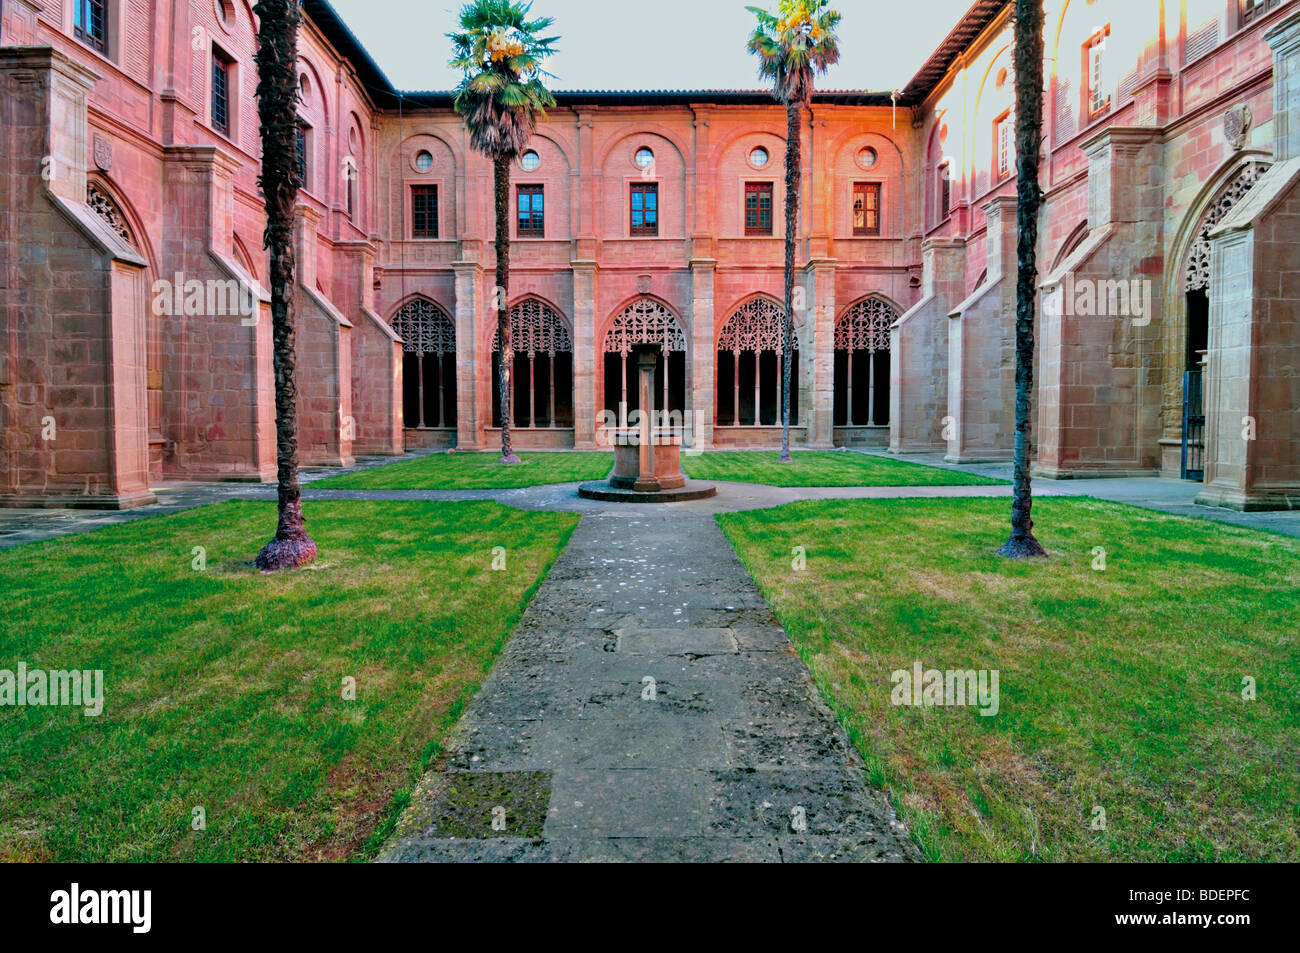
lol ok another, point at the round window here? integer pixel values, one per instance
(225, 11)
(759, 157)
(645, 158)
(530, 161)
(423, 160)
(304, 87)
(868, 157)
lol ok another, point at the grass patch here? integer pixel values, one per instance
(1120, 689)
(474, 471)
(822, 468)
(223, 687)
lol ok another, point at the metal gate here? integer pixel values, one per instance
(1194, 425)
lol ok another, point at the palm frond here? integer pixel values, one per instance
(499, 52)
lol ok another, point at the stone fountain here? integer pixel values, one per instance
(647, 459)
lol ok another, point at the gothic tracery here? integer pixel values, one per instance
(645, 321)
(425, 328)
(757, 325)
(1198, 256)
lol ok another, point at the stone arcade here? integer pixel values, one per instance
(129, 157)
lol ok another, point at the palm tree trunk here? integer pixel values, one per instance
(505, 347)
(277, 65)
(1029, 125)
(793, 172)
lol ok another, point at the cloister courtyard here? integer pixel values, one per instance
(475, 642)
(868, 325)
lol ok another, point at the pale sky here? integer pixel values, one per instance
(687, 44)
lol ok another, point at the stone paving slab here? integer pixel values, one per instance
(666, 731)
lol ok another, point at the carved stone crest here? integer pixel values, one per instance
(103, 154)
(644, 284)
(1236, 126)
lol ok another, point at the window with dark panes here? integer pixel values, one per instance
(220, 93)
(424, 211)
(758, 208)
(532, 211)
(1252, 10)
(90, 23)
(302, 145)
(645, 208)
(866, 208)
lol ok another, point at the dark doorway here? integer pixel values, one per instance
(1198, 342)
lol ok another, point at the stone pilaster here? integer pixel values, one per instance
(473, 348)
(704, 353)
(586, 362)
(1285, 42)
(817, 354)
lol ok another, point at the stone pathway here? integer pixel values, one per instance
(649, 707)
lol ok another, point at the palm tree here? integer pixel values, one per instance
(792, 47)
(500, 52)
(277, 108)
(1029, 135)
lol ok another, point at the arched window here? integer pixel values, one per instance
(428, 365)
(542, 375)
(750, 367)
(862, 364)
(645, 321)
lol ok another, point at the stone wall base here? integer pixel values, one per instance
(105, 501)
(1258, 500)
(1091, 473)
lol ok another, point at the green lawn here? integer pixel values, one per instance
(223, 688)
(475, 471)
(1120, 689)
(821, 468)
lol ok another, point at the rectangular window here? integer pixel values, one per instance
(424, 211)
(1252, 10)
(758, 208)
(1004, 134)
(645, 208)
(303, 156)
(1098, 94)
(90, 23)
(532, 212)
(866, 208)
(945, 190)
(220, 93)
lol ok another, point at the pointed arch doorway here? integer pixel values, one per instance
(1195, 346)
